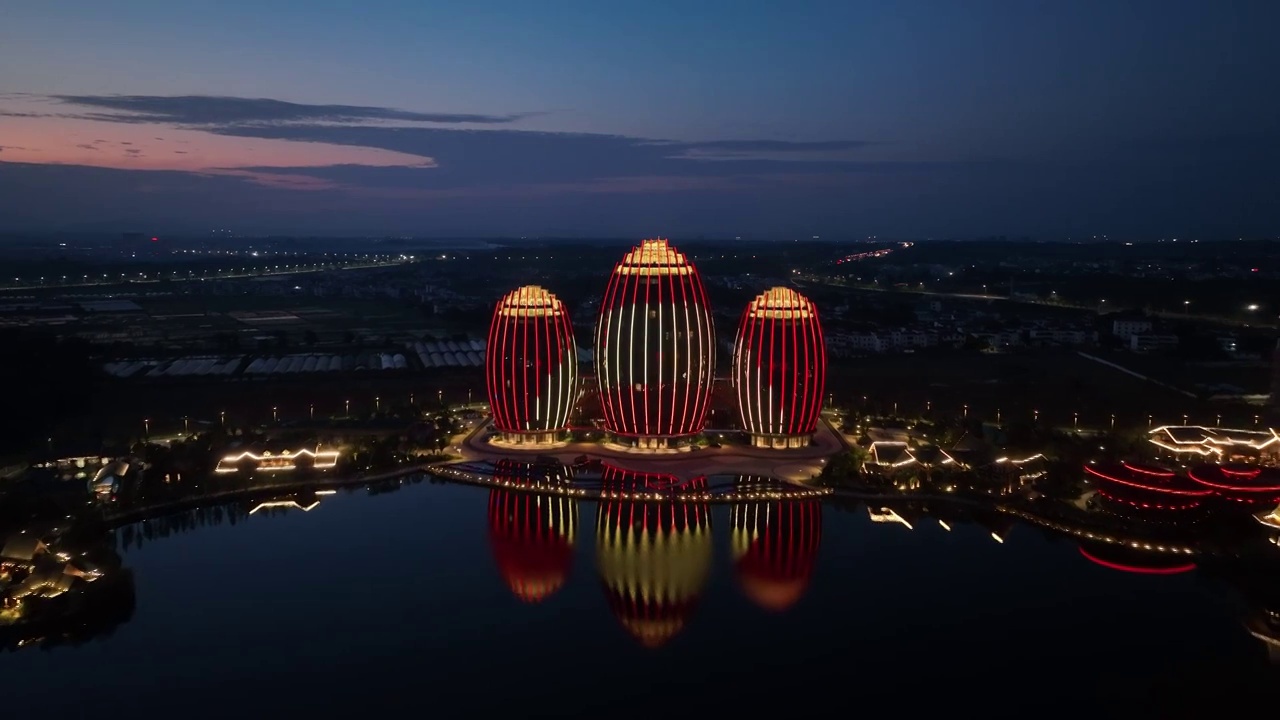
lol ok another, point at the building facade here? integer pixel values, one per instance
(779, 369)
(531, 367)
(654, 348)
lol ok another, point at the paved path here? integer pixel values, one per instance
(795, 465)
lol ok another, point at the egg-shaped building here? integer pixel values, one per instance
(779, 369)
(653, 557)
(775, 545)
(532, 539)
(531, 367)
(654, 347)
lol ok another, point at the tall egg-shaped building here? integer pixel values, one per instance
(779, 369)
(653, 557)
(775, 545)
(655, 347)
(531, 366)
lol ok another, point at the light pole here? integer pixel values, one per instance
(275, 414)
(186, 425)
(222, 417)
(313, 411)
(377, 404)
(146, 427)
(347, 407)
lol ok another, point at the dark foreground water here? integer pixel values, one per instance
(440, 599)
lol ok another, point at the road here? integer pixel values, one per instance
(1165, 314)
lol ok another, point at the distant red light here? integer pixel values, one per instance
(155, 239)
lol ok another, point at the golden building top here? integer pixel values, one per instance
(781, 303)
(654, 257)
(530, 301)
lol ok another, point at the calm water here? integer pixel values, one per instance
(412, 600)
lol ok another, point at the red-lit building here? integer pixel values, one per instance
(531, 366)
(775, 544)
(654, 347)
(532, 538)
(1238, 482)
(779, 369)
(1135, 487)
(653, 557)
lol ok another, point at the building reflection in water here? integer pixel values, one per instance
(63, 581)
(775, 545)
(653, 557)
(531, 535)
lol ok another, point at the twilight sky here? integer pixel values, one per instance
(762, 119)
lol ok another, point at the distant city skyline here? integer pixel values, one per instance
(573, 119)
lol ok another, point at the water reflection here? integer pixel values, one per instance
(653, 557)
(531, 534)
(775, 545)
(63, 580)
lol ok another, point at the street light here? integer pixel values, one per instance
(146, 427)
(1251, 307)
(275, 414)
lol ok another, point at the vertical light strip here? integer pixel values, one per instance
(649, 350)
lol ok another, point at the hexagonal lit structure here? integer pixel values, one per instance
(531, 366)
(779, 369)
(655, 347)
(532, 539)
(653, 557)
(775, 545)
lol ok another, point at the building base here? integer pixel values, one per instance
(781, 442)
(531, 441)
(652, 443)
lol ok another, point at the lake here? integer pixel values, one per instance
(468, 601)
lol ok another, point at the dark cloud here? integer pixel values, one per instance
(217, 110)
(179, 152)
(133, 153)
(772, 146)
(1195, 198)
(126, 143)
(87, 146)
(471, 158)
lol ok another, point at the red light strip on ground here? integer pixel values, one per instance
(1149, 488)
(1232, 488)
(1144, 471)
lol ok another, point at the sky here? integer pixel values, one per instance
(915, 118)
